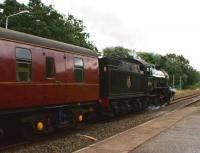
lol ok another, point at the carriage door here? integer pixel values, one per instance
(60, 78)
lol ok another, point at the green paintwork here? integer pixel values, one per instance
(120, 79)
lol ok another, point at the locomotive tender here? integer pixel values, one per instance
(46, 84)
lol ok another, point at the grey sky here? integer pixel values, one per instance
(160, 26)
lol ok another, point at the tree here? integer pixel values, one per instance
(46, 22)
(179, 67)
(117, 52)
(175, 65)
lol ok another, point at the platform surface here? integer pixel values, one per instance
(177, 131)
(183, 137)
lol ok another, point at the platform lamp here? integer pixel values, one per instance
(22, 12)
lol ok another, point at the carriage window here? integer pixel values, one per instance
(50, 67)
(78, 69)
(23, 65)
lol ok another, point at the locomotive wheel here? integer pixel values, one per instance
(137, 106)
(140, 105)
(128, 106)
(157, 101)
(116, 109)
(123, 108)
(144, 105)
(134, 106)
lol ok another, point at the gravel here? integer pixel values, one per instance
(73, 141)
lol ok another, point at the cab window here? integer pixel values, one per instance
(23, 65)
(78, 69)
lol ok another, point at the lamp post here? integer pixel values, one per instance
(25, 11)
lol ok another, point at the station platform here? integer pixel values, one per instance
(174, 132)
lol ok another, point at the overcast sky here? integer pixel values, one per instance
(160, 26)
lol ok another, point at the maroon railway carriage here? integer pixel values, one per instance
(42, 81)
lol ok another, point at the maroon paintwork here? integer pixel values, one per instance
(42, 91)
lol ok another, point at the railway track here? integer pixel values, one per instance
(195, 99)
(185, 98)
(15, 145)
